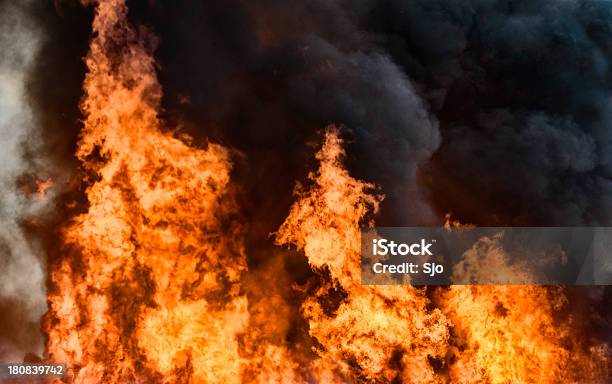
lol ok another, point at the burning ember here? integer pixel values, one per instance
(155, 283)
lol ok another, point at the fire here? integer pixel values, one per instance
(507, 334)
(153, 283)
(365, 332)
(516, 334)
(511, 334)
(150, 288)
(479, 334)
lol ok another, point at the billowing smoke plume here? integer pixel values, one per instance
(522, 90)
(24, 189)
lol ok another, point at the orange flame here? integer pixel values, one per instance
(151, 287)
(511, 334)
(515, 334)
(480, 334)
(365, 332)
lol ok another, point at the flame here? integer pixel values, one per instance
(364, 332)
(151, 285)
(516, 334)
(508, 335)
(511, 334)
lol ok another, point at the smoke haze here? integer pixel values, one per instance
(22, 272)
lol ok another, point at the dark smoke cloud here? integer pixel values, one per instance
(522, 93)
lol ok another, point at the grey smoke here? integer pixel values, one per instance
(22, 271)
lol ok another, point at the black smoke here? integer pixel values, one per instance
(522, 93)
